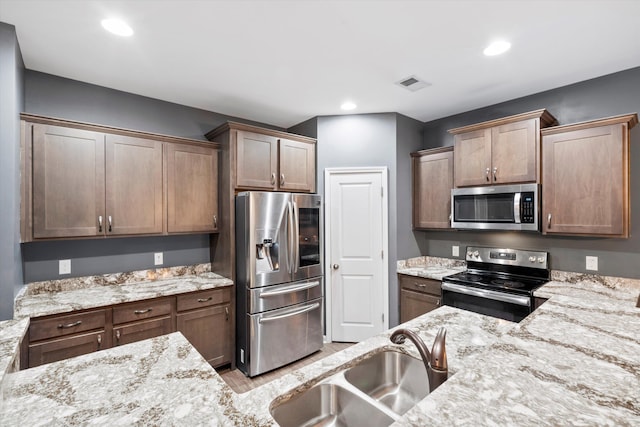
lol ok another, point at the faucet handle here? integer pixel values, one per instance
(439, 351)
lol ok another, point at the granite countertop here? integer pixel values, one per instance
(430, 267)
(575, 360)
(35, 303)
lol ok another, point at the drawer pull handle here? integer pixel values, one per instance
(215, 221)
(109, 218)
(205, 299)
(421, 285)
(226, 313)
(100, 223)
(281, 179)
(146, 310)
(273, 179)
(70, 325)
(438, 303)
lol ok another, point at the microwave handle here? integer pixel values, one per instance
(516, 208)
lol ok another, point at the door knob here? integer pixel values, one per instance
(336, 266)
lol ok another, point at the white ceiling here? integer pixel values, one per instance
(282, 62)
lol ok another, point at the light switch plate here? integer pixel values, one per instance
(455, 250)
(592, 263)
(64, 266)
(157, 258)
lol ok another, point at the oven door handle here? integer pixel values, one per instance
(484, 293)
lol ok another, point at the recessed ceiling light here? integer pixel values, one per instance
(117, 27)
(348, 105)
(497, 47)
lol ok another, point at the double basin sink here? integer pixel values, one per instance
(375, 392)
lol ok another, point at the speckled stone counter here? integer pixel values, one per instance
(45, 298)
(430, 267)
(11, 334)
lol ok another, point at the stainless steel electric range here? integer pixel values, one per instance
(498, 282)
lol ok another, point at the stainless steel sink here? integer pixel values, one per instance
(328, 405)
(375, 392)
(394, 379)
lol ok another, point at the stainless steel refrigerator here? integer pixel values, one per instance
(279, 283)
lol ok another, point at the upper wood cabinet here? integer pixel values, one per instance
(585, 177)
(192, 188)
(503, 151)
(82, 180)
(264, 159)
(432, 184)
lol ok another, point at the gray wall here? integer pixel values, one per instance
(605, 96)
(11, 104)
(55, 96)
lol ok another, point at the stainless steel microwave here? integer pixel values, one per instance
(496, 207)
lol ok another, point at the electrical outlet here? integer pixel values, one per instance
(157, 258)
(455, 250)
(592, 263)
(64, 266)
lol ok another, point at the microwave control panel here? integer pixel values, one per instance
(527, 207)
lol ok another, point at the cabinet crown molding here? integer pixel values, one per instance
(212, 134)
(428, 151)
(630, 119)
(546, 119)
(34, 118)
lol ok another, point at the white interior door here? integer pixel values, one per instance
(357, 285)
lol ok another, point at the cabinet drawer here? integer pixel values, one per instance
(59, 326)
(141, 310)
(142, 330)
(203, 298)
(64, 348)
(420, 284)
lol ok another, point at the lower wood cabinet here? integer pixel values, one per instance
(417, 296)
(205, 318)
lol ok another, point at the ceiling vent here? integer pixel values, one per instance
(412, 83)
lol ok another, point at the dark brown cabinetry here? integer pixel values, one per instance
(54, 338)
(81, 180)
(503, 151)
(432, 184)
(417, 296)
(192, 188)
(205, 319)
(142, 320)
(585, 177)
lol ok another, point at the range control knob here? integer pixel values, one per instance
(541, 260)
(469, 254)
(476, 254)
(532, 259)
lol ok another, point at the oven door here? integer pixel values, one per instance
(491, 303)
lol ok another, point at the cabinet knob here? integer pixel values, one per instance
(118, 337)
(549, 220)
(99, 341)
(226, 313)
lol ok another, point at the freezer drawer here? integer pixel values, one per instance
(283, 336)
(279, 296)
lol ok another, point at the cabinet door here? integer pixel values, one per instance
(257, 161)
(514, 152)
(585, 178)
(68, 182)
(432, 184)
(143, 330)
(414, 304)
(64, 348)
(472, 154)
(297, 166)
(209, 331)
(192, 189)
(133, 185)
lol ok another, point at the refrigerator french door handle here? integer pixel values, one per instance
(290, 236)
(296, 237)
(290, 290)
(291, 314)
